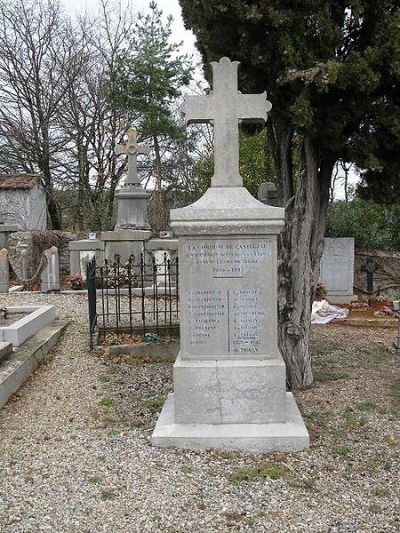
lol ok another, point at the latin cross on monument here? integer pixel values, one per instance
(224, 107)
(132, 149)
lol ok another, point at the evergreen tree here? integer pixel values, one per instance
(326, 65)
(150, 76)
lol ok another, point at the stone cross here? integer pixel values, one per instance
(132, 149)
(370, 268)
(4, 271)
(224, 107)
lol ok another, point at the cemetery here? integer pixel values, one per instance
(197, 334)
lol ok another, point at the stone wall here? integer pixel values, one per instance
(24, 208)
(27, 247)
(386, 276)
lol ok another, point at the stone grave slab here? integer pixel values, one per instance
(337, 269)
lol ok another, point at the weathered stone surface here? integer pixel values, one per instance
(337, 267)
(27, 247)
(290, 436)
(124, 243)
(131, 198)
(16, 370)
(51, 273)
(5, 231)
(229, 379)
(228, 297)
(37, 317)
(268, 194)
(238, 392)
(78, 249)
(224, 107)
(4, 271)
(23, 201)
(386, 279)
(6, 349)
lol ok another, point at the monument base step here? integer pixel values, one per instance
(289, 436)
(341, 299)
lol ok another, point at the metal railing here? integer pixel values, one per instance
(133, 298)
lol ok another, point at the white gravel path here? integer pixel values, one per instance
(75, 454)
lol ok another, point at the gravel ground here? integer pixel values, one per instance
(75, 452)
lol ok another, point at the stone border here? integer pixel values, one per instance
(155, 350)
(39, 316)
(18, 367)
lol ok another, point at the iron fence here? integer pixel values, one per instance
(135, 298)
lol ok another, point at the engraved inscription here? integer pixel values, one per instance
(225, 306)
(206, 310)
(246, 317)
(228, 259)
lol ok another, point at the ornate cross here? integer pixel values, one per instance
(224, 107)
(132, 149)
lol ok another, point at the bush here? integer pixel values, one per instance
(371, 225)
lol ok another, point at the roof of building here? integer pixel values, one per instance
(19, 181)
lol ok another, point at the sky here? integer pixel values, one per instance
(169, 7)
(179, 33)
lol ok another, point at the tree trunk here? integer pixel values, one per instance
(160, 211)
(282, 145)
(300, 247)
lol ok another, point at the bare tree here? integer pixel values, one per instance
(93, 127)
(34, 54)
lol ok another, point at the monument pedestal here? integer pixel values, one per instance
(288, 436)
(124, 242)
(229, 378)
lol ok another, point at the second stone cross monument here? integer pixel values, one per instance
(229, 377)
(132, 229)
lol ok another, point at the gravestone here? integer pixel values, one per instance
(370, 268)
(132, 229)
(337, 269)
(85, 256)
(82, 251)
(51, 272)
(229, 377)
(4, 271)
(268, 194)
(161, 259)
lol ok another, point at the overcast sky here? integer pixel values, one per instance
(169, 7)
(172, 7)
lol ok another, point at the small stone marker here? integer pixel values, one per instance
(4, 271)
(229, 377)
(51, 272)
(268, 194)
(370, 268)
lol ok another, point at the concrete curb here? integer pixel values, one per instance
(18, 367)
(155, 350)
(6, 349)
(37, 317)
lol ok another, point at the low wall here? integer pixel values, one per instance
(33, 244)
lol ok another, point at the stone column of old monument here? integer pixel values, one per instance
(51, 272)
(4, 271)
(132, 228)
(229, 377)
